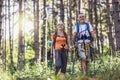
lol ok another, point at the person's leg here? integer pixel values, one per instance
(62, 76)
(88, 58)
(83, 61)
(57, 61)
(83, 64)
(63, 64)
(56, 70)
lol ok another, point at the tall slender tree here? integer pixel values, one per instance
(21, 46)
(1, 55)
(101, 30)
(70, 19)
(76, 10)
(36, 29)
(90, 10)
(78, 7)
(96, 25)
(3, 35)
(116, 18)
(70, 24)
(10, 35)
(5, 12)
(54, 16)
(44, 33)
(109, 24)
(62, 10)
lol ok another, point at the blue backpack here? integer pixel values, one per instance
(87, 28)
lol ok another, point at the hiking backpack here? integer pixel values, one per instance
(77, 38)
(55, 36)
(87, 28)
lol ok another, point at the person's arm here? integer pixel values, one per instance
(73, 38)
(68, 40)
(51, 51)
(91, 31)
(74, 34)
(71, 44)
(92, 34)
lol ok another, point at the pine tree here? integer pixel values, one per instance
(116, 19)
(10, 35)
(1, 55)
(21, 45)
(62, 10)
(36, 29)
(44, 33)
(109, 24)
(96, 26)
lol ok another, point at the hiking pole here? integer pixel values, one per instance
(94, 57)
(72, 63)
(92, 52)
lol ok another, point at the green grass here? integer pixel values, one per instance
(106, 68)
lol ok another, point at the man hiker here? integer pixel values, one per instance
(83, 36)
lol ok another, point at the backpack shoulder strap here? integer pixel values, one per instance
(77, 26)
(88, 28)
(87, 25)
(66, 37)
(55, 36)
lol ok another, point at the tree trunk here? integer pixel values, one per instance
(54, 16)
(116, 11)
(68, 16)
(1, 55)
(10, 36)
(90, 6)
(78, 7)
(21, 55)
(5, 30)
(96, 25)
(109, 23)
(70, 25)
(70, 21)
(44, 33)
(62, 10)
(36, 29)
(76, 10)
(101, 32)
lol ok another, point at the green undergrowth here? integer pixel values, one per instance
(104, 68)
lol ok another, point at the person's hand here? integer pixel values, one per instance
(76, 44)
(51, 55)
(71, 48)
(72, 40)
